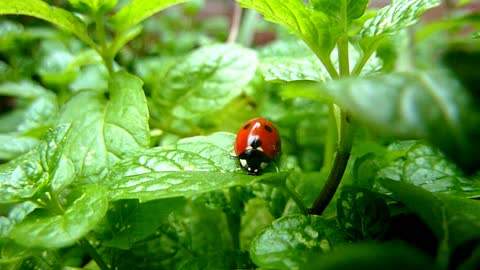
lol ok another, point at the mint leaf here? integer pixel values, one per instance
(293, 240)
(291, 60)
(314, 27)
(424, 166)
(131, 221)
(116, 127)
(24, 176)
(85, 208)
(424, 104)
(347, 10)
(57, 16)
(138, 10)
(394, 255)
(12, 146)
(192, 166)
(39, 107)
(93, 6)
(361, 213)
(455, 221)
(216, 75)
(396, 16)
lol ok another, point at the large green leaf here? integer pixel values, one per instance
(24, 176)
(57, 16)
(131, 221)
(106, 130)
(202, 84)
(85, 208)
(455, 221)
(292, 241)
(314, 27)
(422, 104)
(192, 166)
(422, 165)
(12, 146)
(138, 10)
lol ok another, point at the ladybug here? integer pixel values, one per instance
(257, 144)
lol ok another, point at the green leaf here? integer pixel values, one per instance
(117, 127)
(38, 106)
(396, 16)
(138, 10)
(131, 221)
(291, 60)
(24, 176)
(455, 221)
(347, 10)
(57, 16)
(216, 75)
(93, 6)
(312, 26)
(292, 241)
(85, 208)
(193, 166)
(421, 104)
(424, 166)
(395, 256)
(362, 213)
(12, 146)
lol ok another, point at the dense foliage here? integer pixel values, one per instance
(117, 126)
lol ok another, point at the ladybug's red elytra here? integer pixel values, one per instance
(257, 144)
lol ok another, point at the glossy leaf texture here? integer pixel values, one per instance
(57, 16)
(293, 241)
(200, 85)
(425, 104)
(396, 16)
(192, 166)
(422, 165)
(136, 11)
(28, 174)
(93, 6)
(105, 130)
(290, 60)
(454, 220)
(85, 208)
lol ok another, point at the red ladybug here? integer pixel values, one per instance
(257, 144)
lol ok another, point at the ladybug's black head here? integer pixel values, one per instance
(254, 161)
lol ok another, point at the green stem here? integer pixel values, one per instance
(344, 65)
(234, 217)
(338, 168)
(296, 198)
(93, 253)
(330, 138)
(247, 28)
(103, 50)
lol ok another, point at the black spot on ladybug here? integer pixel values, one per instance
(247, 126)
(255, 143)
(268, 128)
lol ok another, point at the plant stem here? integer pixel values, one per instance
(93, 253)
(247, 28)
(233, 217)
(338, 168)
(234, 27)
(298, 201)
(103, 50)
(343, 60)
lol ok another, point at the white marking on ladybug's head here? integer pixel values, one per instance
(259, 149)
(243, 162)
